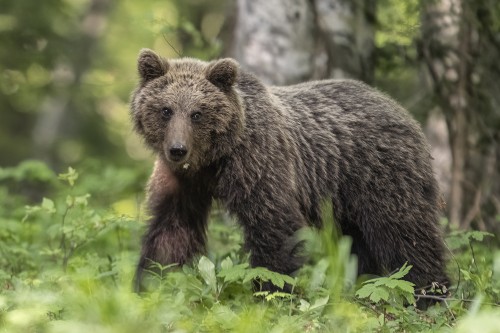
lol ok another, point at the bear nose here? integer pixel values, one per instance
(178, 150)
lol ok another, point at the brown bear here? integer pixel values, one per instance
(272, 155)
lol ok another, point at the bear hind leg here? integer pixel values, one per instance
(367, 263)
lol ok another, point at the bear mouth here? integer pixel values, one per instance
(177, 159)
(179, 164)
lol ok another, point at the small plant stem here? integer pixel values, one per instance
(62, 244)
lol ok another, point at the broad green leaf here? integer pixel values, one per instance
(207, 272)
(379, 294)
(402, 272)
(304, 305)
(479, 235)
(226, 263)
(400, 284)
(374, 293)
(409, 298)
(264, 274)
(48, 205)
(365, 290)
(406, 286)
(320, 302)
(234, 273)
(379, 281)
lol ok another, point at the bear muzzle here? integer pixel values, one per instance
(177, 152)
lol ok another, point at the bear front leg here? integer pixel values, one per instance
(170, 240)
(271, 239)
(177, 228)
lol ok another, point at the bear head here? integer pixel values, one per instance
(189, 112)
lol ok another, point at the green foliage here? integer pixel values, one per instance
(487, 322)
(398, 22)
(390, 289)
(29, 170)
(397, 68)
(480, 270)
(67, 262)
(459, 238)
(69, 242)
(66, 73)
(207, 272)
(264, 275)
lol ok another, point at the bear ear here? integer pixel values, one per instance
(222, 73)
(150, 65)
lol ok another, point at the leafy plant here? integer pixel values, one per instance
(67, 260)
(391, 289)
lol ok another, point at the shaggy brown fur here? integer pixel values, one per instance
(272, 154)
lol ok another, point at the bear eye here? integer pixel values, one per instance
(166, 113)
(196, 116)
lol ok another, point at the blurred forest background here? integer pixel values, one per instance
(67, 68)
(72, 172)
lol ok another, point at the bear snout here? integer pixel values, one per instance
(177, 152)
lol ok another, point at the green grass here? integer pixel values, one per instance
(69, 245)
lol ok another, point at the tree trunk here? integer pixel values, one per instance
(274, 39)
(452, 40)
(443, 49)
(436, 131)
(346, 35)
(286, 42)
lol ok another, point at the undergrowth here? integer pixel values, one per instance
(69, 244)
